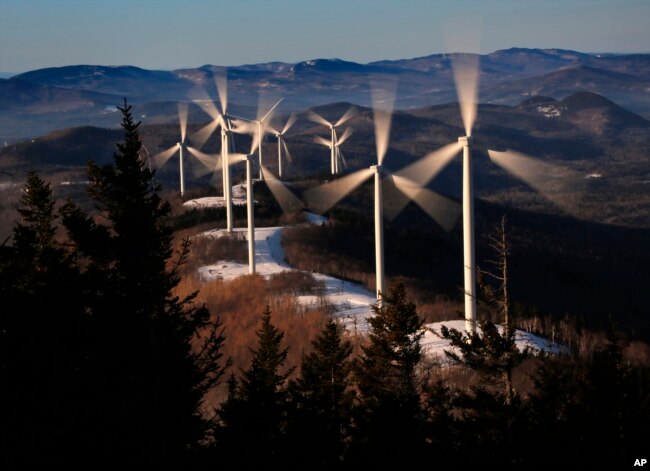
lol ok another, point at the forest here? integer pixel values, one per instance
(111, 352)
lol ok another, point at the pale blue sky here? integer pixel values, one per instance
(171, 34)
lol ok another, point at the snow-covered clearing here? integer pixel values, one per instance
(351, 301)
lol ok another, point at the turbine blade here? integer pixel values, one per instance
(286, 150)
(382, 133)
(200, 137)
(200, 97)
(383, 93)
(424, 170)
(182, 119)
(549, 180)
(344, 162)
(161, 158)
(344, 137)
(236, 158)
(349, 114)
(289, 123)
(269, 113)
(323, 197)
(466, 74)
(289, 202)
(444, 211)
(210, 162)
(221, 80)
(322, 141)
(313, 116)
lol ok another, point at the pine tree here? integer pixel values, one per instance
(148, 379)
(41, 357)
(254, 415)
(322, 400)
(492, 408)
(391, 429)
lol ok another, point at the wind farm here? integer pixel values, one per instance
(324, 235)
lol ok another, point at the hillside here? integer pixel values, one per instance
(507, 77)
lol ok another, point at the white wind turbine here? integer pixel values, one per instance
(282, 145)
(335, 148)
(334, 143)
(325, 196)
(161, 158)
(536, 174)
(220, 118)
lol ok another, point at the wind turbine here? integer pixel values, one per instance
(161, 158)
(466, 75)
(325, 196)
(334, 143)
(281, 142)
(225, 121)
(335, 147)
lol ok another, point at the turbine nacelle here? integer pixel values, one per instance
(466, 140)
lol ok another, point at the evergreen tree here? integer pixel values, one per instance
(253, 418)
(491, 411)
(391, 421)
(41, 356)
(153, 355)
(322, 400)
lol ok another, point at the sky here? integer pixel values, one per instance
(164, 34)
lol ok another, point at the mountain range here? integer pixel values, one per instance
(39, 101)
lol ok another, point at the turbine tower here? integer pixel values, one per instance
(334, 143)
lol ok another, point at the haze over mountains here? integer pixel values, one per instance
(39, 101)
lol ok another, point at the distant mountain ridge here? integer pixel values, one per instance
(507, 77)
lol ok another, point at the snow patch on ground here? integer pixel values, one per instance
(351, 302)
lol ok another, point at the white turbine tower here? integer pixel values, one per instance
(335, 156)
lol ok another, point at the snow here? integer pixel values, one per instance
(351, 302)
(238, 199)
(550, 111)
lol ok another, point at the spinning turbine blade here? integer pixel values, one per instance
(549, 180)
(269, 113)
(323, 197)
(349, 114)
(201, 98)
(285, 198)
(289, 123)
(286, 150)
(182, 119)
(322, 141)
(444, 211)
(382, 133)
(424, 170)
(221, 80)
(313, 116)
(344, 137)
(466, 74)
(161, 158)
(210, 162)
(383, 101)
(200, 137)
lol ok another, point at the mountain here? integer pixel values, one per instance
(23, 96)
(507, 77)
(597, 145)
(139, 85)
(627, 90)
